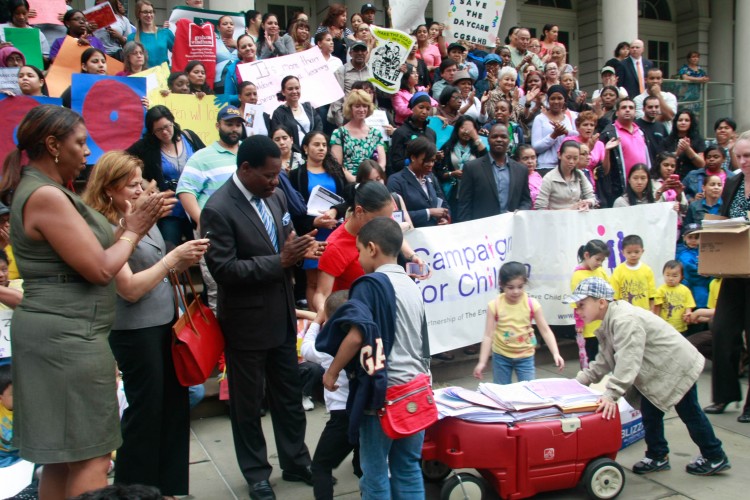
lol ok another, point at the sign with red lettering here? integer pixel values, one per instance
(195, 43)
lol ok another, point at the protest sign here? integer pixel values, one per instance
(156, 78)
(9, 80)
(200, 16)
(5, 317)
(13, 110)
(195, 43)
(255, 123)
(198, 115)
(67, 62)
(475, 21)
(47, 11)
(112, 109)
(319, 86)
(102, 15)
(464, 259)
(28, 42)
(387, 58)
(406, 15)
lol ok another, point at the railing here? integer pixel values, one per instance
(709, 101)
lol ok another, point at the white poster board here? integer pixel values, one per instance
(475, 21)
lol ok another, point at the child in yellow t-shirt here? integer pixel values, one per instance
(633, 281)
(508, 330)
(590, 258)
(674, 301)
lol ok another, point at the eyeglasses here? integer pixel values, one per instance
(147, 12)
(165, 128)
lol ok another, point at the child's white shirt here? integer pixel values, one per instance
(335, 400)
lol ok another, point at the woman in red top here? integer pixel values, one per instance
(339, 265)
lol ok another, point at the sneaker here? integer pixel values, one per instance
(647, 465)
(307, 403)
(704, 467)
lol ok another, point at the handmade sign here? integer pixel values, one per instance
(102, 15)
(5, 317)
(28, 42)
(112, 109)
(195, 43)
(386, 59)
(198, 115)
(13, 110)
(406, 15)
(319, 86)
(465, 258)
(9, 80)
(47, 11)
(475, 21)
(67, 62)
(200, 16)
(156, 78)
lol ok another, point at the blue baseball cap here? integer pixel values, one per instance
(229, 113)
(492, 58)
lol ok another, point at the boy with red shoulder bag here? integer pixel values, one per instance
(379, 337)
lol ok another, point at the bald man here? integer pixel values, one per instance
(632, 72)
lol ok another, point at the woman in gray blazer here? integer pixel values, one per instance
(155, 426)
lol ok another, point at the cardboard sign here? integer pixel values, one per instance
(406, 15)
(68, 62)
(386, 60)
(156, 78)
(475, 21)
(9, 80)
(47, 11)
(198, 115)
(112, 109)
(28, 42)
(200, 16)
(195, 43)
(319, 86)
(13, 110)
(102, 15)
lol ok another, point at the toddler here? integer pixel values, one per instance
(687, 254)
(633, 281)
(508, 331)
(674, 302)
(8, 454)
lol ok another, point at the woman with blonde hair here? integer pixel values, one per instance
(356, 141)
(157, 41)
(156, 424)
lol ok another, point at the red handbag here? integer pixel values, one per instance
(409, 408)
(197, 341)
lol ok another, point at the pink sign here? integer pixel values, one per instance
(47, 11)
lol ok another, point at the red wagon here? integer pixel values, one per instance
(523, 459)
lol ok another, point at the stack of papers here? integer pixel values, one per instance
(541, 399)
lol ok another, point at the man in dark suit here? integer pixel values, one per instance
(493, 184)
(632, 71)
(252, 256)
(419, 187)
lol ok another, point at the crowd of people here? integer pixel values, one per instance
(88, 275)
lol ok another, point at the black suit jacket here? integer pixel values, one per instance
(416, 200)
(628, 75)
(255, 305)
(478, 196)
(731, 186)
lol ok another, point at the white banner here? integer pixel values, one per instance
(475, 21)
(5, 317)
(465, 258)
(386, 60)
(200, 16)
(319, 86)
(406, 15)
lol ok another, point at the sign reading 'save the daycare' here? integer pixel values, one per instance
(475, 21)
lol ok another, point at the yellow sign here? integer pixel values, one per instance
(156, 79)
(198, 115)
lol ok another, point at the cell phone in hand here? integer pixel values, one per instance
(674, 177)
(416, 269)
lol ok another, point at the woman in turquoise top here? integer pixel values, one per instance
(157, 41)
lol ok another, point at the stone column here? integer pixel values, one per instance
(619, 24)
(721, 41)
(510, 18)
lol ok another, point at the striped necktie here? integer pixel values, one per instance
(267, 219)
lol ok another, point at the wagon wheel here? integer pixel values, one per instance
(603, 479)
(463, 486)
(434, 470)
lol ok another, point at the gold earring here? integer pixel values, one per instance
(57, 158)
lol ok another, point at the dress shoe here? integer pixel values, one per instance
(715, 408)
(745, 417)
(262, 491)
(298, 476)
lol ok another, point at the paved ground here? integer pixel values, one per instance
(214, 473)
